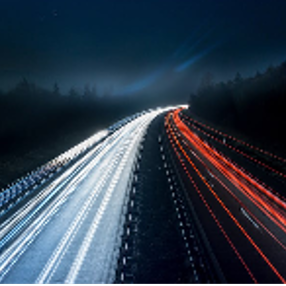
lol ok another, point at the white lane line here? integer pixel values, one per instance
(13, 253)
(25, 214)
(76, 266)
(248, 217)
(37, 224)
(21, 218)
(56, 258)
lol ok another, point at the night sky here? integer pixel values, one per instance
(158, 47)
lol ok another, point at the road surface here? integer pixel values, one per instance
(161, 198)
(243, 219)
(70, 231)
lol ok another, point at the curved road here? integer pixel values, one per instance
(70, 231)
(243, 219)
(174, 209)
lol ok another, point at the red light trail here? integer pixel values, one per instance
(236, 139)
(184, 142)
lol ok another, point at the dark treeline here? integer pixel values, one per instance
(30, 114)
(37, 124)
(254, 107)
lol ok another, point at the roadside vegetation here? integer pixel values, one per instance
(253, 107)
(37, 124)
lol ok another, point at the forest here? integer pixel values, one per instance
(30, 113)
(252, 107)
(37, 124)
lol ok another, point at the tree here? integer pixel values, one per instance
(94, 92)
(87, 94)
(73, 95)
(2, 99)
(258, 75)
(23, 87)
(56, 90)
(192, 100)
(207, 80)
(238, 78)
(283, 67)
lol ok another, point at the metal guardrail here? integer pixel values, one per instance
(18, 190)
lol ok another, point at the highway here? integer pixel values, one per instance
(243, 219)
(70, 231)
(159, 197)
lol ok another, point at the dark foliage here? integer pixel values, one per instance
(30, 114)
(252, 106)
(37, 124)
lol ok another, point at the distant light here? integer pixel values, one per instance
(196, 58)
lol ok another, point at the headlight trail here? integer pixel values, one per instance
(74, 221)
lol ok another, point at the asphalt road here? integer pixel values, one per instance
(242, 218)
(70, 231)
(152, 202)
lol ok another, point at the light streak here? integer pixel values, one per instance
(221, 228)
(228, 170)
(197, 57)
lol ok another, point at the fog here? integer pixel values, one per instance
(148, 47)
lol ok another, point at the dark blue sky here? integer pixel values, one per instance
(131, 46)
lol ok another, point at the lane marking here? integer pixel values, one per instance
(249, 218)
